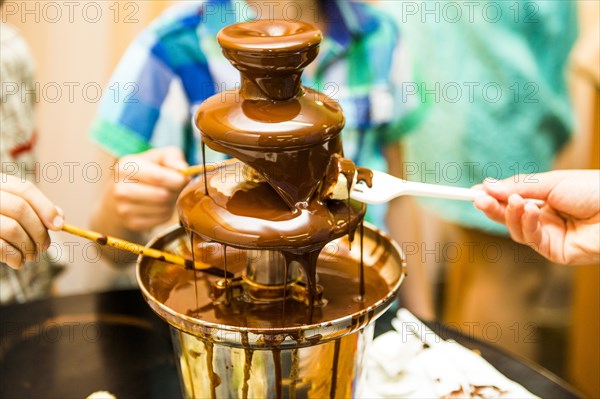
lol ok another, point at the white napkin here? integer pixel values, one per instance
(413, 362)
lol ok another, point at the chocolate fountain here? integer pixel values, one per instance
(293, 312)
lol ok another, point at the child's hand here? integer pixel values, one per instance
(25, 217)
(566, 230)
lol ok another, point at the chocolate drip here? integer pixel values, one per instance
(285, 289)
(350, 231)
(361, 289)
(248, 353)
(278, 372)
(204, 168)
(269, 152)
(193, 252)
(336, 274)
(187, 363)
(347, 169)
(308, 262)
(294, 373)
(248, 214)
(271, 55)
(365, 175)
(225, 280)
(334, 368)
(214, 378)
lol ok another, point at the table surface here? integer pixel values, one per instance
(69, 347)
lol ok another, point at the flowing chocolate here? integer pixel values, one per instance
(291, 292)
(189, 293)
(289, 135)
(252, 215)
(286, 132)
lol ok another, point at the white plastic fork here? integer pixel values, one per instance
(386, 187)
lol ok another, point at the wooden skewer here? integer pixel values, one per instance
(192, 170)
(210, 167)
(141, 250)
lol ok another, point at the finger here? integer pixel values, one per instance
(130, 211)
(491, 207)
(146, 223)
(10, 255)
(514, 216)
(537, 186)
(532, 228)
(134, 170)
(143, 194)
(17, 208)
(14, 234)
(172, 157)
(42, 206)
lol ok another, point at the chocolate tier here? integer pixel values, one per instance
(287, 133)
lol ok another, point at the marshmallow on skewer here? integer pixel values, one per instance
(340, 176)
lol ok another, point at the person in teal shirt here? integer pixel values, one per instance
(492, 95)
(489, 96)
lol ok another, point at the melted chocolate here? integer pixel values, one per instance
(347, 168)
(214, 378)
(289, 135)
(365, 175)
(271, 55)
(248, 353)
(334, 368)
(291, 153)
(193, 245)
(294, 373)
(253, 215)
(181, 289)
(361, 285)
(204, 167)
(286, 132)
(278, 372)
(344, 166)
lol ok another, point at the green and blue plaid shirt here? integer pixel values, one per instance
(177, 63)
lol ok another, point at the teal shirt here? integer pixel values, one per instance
(489, 93)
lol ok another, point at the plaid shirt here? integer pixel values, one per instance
(177, 63)
(17, 139)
